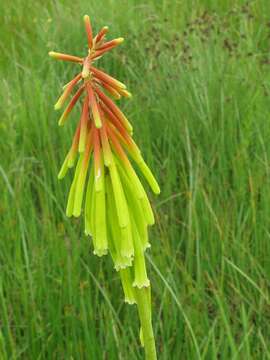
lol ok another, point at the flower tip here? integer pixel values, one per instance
(127, 94)
(77, 213)
(86, 18)
(52, 54)
(129, 301)
(98, 125)
(147, 246)
(119, 40)
(100, 252)
(144, 283)
(57, 106)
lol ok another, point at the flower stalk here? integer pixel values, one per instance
(105, 186)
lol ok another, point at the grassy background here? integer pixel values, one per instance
(199, 73)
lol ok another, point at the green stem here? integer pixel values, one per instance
(144, 308)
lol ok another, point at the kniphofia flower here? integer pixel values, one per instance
(116, 208)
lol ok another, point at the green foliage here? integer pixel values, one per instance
(199, 74)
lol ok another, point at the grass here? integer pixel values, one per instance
(199, 73)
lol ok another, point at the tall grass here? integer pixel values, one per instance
(199, 72)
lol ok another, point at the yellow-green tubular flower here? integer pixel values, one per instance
(64, 168)
(88, 204)
(78, 197)
(121, 205)
(101, 241)
(137, 208)
(71, 197)
(120, 260)
(140, 276)
(127, 286)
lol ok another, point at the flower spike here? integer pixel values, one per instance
(105, 186)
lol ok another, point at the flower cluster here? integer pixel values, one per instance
(117, 211)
